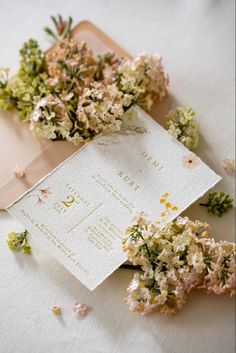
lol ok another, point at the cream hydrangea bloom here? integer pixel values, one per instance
(174, 260)
(181, 126)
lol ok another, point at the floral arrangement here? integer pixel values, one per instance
(174, 260)
(69, 94)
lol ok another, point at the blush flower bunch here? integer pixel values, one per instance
(174, 260)
(70, 94)
(143, 79)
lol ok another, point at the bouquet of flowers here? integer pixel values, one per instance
(173, 261)
(68, 93)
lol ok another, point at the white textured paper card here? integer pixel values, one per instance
(79, 211)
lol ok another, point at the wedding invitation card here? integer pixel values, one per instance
(80, 210)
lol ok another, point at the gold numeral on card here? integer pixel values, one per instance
(69, 201)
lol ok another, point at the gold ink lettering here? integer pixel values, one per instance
(69, 202)
(154, 162)
(128, 180)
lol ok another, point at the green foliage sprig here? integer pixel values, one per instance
(62, 29)
(218, 203)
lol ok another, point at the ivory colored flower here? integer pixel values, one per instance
(229, 165)
(182, 126)
(50, 118)
(175, 260)
(19, 171)
(144, 79)
(80, 309)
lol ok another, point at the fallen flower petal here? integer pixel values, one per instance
(229, 165)
(80, 309)
(56, 310)
(19, 171)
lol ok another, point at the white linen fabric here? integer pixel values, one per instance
(196, 39)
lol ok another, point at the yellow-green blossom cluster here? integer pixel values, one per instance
(69, 94)
(18, 241)
(182, 126)
(6, 99)
(174, 260)
(29, 83)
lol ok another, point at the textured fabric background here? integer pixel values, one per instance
(196, 39)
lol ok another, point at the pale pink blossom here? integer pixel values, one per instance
(229, 165)
(190, 161)
(80, 309)
(19, 171)
(45, 192)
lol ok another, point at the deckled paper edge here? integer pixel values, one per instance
(91, 288)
